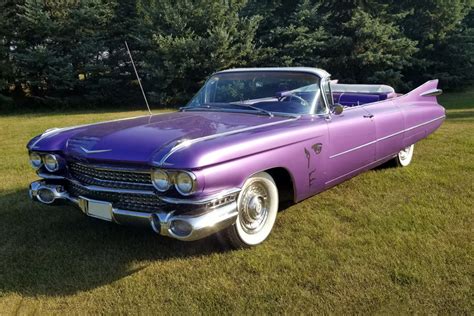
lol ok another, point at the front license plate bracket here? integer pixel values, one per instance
(98, 209)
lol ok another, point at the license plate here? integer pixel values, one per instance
(97, 209)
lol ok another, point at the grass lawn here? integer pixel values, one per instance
(388, 241)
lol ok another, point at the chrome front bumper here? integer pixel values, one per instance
(182, 227)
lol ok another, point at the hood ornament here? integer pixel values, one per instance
(87, 151)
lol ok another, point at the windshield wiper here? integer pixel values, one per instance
(211, 106)
(200, 106)
(253, 108)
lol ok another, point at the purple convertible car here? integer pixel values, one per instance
(248, 140)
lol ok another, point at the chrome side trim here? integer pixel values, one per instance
(190, 142)
(353, 149)
(201, 201)
(385, 137)
(430, 121)
(431, 93)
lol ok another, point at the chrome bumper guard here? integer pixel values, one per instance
(182, 227)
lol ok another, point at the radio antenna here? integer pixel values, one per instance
(138, 78)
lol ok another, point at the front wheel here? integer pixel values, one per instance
(257, 205)
(405, 156)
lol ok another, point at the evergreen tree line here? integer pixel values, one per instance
(72, 53)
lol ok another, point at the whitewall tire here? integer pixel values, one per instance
(405, 156)
(257, 205)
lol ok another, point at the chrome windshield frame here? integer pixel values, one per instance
(319, 74)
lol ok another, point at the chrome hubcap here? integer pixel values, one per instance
(253, 208)
(404, 153)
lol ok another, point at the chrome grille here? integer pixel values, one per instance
(118, 178)
(126, 201)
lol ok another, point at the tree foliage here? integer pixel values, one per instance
(72, 52)
(191, 39)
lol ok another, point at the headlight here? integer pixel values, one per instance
(51, 163)
(35, 160)
(185, 182)
(161, 180)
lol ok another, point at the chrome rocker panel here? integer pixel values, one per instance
(211, 221)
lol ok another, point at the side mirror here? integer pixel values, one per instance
(337, 109)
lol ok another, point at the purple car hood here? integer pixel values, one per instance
(145, 139)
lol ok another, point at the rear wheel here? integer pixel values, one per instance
(405, 156)
(257, 206)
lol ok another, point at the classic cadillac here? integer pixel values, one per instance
(248, 140)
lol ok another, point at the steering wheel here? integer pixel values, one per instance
(297, 97)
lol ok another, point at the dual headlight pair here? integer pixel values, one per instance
(49, 161)
(183, 181)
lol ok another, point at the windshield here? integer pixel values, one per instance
(261, 91)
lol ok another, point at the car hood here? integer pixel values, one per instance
(147, 139)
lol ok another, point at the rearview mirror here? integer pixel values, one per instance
(337, 109)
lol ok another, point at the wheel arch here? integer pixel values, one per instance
(284, 182)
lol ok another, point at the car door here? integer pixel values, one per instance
(389, 128)
(352, 143)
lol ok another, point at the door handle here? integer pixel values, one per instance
(368, 116)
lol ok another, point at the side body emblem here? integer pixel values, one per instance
(317, 148)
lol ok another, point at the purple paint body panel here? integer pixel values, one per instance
(222, 147)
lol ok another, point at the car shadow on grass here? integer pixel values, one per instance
(58, 251)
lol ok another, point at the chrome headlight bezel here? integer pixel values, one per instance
(161, 188)
(37, 161)
(190, 176)
(51, 162)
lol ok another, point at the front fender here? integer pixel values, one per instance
(304, 165)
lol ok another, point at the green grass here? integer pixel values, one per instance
(388, 241)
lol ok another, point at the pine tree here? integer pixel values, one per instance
(59, 47)
(8, 36)
(118, 83)
(454, 61)
(192, 39)
(445, 40)
(8, 21)
(357, 41)
(304, 41)
(377, 49)
(367, 42)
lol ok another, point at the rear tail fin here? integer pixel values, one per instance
(428, 89)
